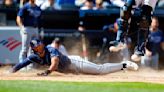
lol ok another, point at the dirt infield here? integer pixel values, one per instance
(142, 75)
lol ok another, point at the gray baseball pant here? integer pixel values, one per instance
(151, 61)
(78, 64)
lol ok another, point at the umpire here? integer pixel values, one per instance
(28, 19)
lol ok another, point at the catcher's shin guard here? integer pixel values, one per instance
(125, 14)
(122, 28)
(122, 22)
(143, 31)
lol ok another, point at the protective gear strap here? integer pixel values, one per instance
(122, 28)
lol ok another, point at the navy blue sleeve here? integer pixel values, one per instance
(21, 65)
(27, 61)
(35, 58)
(54, 52)
(21, 12)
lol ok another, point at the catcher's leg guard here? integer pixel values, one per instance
(122, 27)
(125, 14)
(122, 22)
(143, 29)
(143, 32)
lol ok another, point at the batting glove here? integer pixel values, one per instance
(45, 73)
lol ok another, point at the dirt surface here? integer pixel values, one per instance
(142, 75)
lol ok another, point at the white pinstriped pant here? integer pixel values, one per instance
(78, 64)
(27, 34)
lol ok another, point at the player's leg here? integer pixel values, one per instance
(33, 32)
(83, 66)
(143, 31)
(145, 61)
(25, 41)
(150, 61)
(155, 61)
(125, 14)
(92, 68)
(89, 67)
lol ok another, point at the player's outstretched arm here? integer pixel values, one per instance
(20, 65)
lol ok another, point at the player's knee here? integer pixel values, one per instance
(122, 24)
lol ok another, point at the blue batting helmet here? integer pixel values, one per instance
(35, 42)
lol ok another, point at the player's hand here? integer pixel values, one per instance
(45, 73)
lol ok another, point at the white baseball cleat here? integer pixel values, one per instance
(131, 65)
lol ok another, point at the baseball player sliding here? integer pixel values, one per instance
(58, 62)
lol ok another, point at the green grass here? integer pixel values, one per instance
(52, 86)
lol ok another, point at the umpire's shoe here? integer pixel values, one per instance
(117, 46)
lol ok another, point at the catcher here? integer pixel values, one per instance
(146, 8)
(58, 62)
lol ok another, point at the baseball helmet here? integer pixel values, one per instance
(37, 45)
